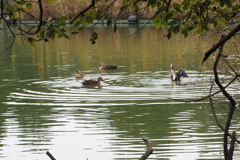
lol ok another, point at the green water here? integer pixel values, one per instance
(44, 108)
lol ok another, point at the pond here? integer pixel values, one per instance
(45, 108)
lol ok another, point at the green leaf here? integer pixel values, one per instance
(84, 22)
(204, 27)
(49, 1)
(165, 23)
(169, 35)
(152, 3)
(177, 7)
(28, 5)
(168, 15)
(156, 19)
(176, 29)
(133, 7)
(185, 32)
(94, 38)
(30, 40)
(41, 33)
(228, 3)
(21, 2)
(95, 35)
(65, 36)
(236, 7)
(124, 7)
(158, 25)
(197, 31)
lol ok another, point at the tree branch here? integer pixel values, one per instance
(213, 111)
(232, 103)
(231, 149)
(83, 11)
(2, 8)
(50, 155)
(39, 25)
(148, 151)
(221, 42)
(210, 95)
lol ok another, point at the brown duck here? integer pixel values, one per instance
(93, 82)
(78, 74)
(103, 66)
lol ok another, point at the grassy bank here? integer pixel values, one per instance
(70, 8)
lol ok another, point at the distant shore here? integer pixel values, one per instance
(69, 9)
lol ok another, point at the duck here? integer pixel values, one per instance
(93, 82)
(78, 74)
(175, 76)
(103, 66)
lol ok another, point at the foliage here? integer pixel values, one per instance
(177, 16)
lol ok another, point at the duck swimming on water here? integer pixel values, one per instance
(175, 76)
(78, 74)
(103, 66)
(93, 82)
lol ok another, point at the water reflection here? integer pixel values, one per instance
(43, 106)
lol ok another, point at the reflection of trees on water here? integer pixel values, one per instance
(29, 125)
(153, 120)
(169, 125)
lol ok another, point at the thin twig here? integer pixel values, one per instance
(213, 109)
(83, 11)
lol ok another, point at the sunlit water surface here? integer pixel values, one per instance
(44, 108)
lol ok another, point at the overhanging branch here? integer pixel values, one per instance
(221, 42)
(83, 11)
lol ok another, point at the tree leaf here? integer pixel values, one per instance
(28, 5)
(156, 19)
(30, 40)
(95, 35)
(41, 33)
(228, 3)
(158, 25)
(177, 7)
(49, 1)
(169, 35)
(65, 36)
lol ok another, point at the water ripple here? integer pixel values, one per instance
(136, 89)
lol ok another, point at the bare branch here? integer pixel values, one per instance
(230, 66)
(148, 151)
(232, 106)
(231, 149)
(2, 9)
(221, 42)
(50, 155)
(214, 115)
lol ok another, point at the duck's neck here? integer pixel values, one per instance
(171, 66)
(98, 80)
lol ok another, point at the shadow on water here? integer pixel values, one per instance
(43, 106)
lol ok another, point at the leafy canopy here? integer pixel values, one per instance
(176, 16)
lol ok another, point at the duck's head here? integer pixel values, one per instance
(171, 65)
(100, 79)
(101, 64)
